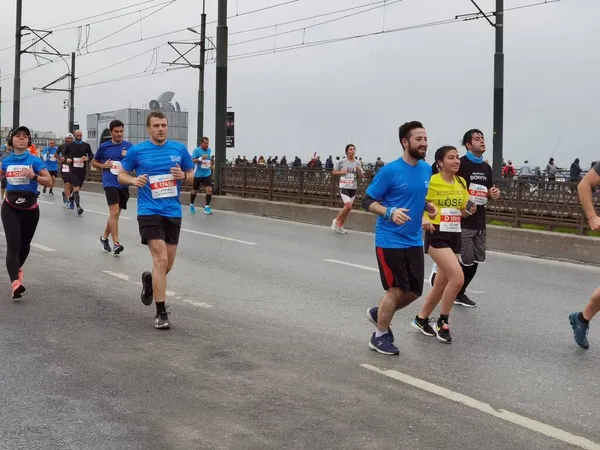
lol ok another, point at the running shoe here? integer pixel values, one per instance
(79, 210)
(51, 192)
(17, 289)
(147, 294)
(71, 204)
(207, 210)
(423, 326)
(433, 274)
(580, 330)
(341, 230)
(105, 244)
(383, 345)
(64, 197)
(118, 248)
(464, 300)
(161, 321)
(372, 316)
(192, 209)
(44, 191)
(442, 330)
(334, 225)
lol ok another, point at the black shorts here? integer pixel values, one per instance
(66, 176)
(348, 195)
(117, 195)
(202, 181)
(442, 239)
(403, 268)
(77, 178)
(159, 227)
(53, 173)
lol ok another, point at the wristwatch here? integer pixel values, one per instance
(35, 177)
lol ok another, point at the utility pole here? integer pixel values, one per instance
(221, 94)
(499, 90)
(200, 125)
(17, 85)
(72, 96)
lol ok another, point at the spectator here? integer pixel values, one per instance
(575, 171)
(269, 161)
(319, 163)
(526, 171)
(379, 164)
(244, 161)
(551, 170)
(261, 161)
(509, 170)
(275, 161)
(283, 162)
(297, 162)
(329, 163)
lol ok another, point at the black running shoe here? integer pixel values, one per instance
(44, 191)
(423, 326)
(442, 330)
(118, 248)
(79, 211)
(464, 300)
(161, 321)
(105, 244)
(147, 294)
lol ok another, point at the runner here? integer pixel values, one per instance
(65, 171)
(49, 158)
(160, 165)
(348, 168)
(77, 154)
(397, 196)
(478, 175)
(108, 158)
(580, 322)
(20, 212)
(203, 176)
(442, 241)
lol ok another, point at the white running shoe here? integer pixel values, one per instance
(334, 225)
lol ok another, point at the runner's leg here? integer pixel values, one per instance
(343, 215)
(29, 223)
(12, 230)
(593, 306)
(160, 263)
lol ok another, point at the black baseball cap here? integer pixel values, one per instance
(21, 128)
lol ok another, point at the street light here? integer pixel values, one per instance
(200, 118)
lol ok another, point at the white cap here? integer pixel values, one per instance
(70, 135)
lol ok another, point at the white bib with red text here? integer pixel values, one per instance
(163, 186)
(450, 220)
(478, 194)
(15, 176)
(77, 162)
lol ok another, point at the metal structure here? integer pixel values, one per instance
(221, 94)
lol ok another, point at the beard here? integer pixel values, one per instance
(415, 152)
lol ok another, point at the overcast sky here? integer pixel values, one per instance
(319, 98)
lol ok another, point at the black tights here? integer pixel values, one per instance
(469, 272)
(19, 228)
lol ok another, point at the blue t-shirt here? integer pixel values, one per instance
(202, 172)
(12, 167)
(400, 185)
(161, 194)
(115, 153)
(49, 157)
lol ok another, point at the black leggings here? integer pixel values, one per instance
(19, 228)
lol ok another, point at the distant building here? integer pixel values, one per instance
(135, 122)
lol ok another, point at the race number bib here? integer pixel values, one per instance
(65, 168)
(53, 158)
(78, 162)
(478, 194)
(450, 220)
(205, 163)
(347, 181)
(163, 186)
(14, 175)
(115, 167)
(45, 157)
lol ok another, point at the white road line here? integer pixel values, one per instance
(42, 247)
(47, 203)
(198, 304)
(216, 236)
(105, 214)
(358, 266)
(508, 416)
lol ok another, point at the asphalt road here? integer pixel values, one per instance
(268, 348)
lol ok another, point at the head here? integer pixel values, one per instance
(69, 139)
(78, 135)
(509, 162)
(551, 161)
(577, 160)
(526, 162)
(474, 142)
(51, 143)
(20, 139)
(447, 159)
(350, 151)
(117, 128)
(413, 139)
(204, 143)
(157, 127)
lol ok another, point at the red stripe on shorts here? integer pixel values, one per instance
(387, 272)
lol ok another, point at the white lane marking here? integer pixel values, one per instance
(120, 276)
(549, 262)
(42, 247)
(502, 414)
(216, 236)
(47, 203)
(105, 214)
(358, 266)
(198, 304)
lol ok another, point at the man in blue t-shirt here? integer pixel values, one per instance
(203, 175)
(397, 196)
(160, 165)
(108, 158)
(49, 157)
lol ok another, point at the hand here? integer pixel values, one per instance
(177, 173)
(594, 223)
(69, 160)
(84, 158)
(140, 181)
(344, 171)
(494, 193)
(428, 226)
(473, 209)
(432, 211)
(107, 164)
(399, 217)
(29, 173)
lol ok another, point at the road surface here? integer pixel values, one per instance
(268, 348)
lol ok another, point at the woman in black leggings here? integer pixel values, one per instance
(20, 212)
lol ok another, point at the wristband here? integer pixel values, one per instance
(35, 177)
(389, 213)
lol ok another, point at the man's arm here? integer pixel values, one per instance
(584, 189)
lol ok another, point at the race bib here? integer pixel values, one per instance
(77, 162)
(163, 186)
(348, 181)
(450, 220)
(52, 158)
(45, 157)
(478, 194)
(205, 163)
(115, 167)
(65, 168)
(14, 175)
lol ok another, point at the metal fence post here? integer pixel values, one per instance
(518, 205)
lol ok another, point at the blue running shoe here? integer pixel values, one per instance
(372, 316)
(383, 345)
(580, 330)
(192, 209)
(71, 204)
(207, 210)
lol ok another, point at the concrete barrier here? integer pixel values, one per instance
(542, 244)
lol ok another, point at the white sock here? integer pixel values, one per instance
(380, 333)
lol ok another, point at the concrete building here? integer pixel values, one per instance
(135, 122)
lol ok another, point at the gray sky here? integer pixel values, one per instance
(319, 98)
